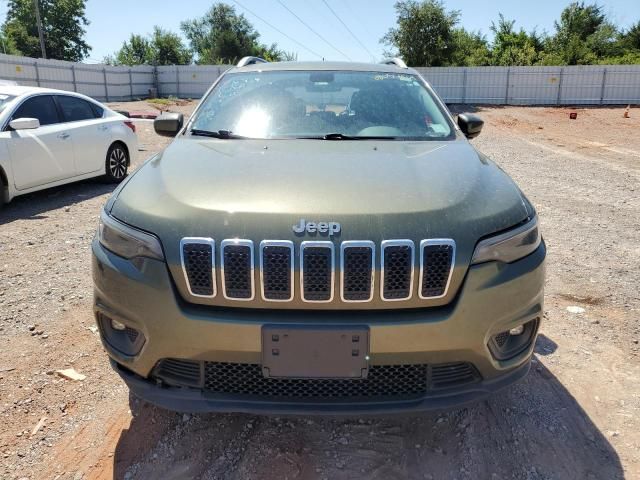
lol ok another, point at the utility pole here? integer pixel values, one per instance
(40, 33)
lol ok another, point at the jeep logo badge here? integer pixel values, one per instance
(323, 228)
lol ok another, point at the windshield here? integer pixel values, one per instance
(322, 104)
(5, 100)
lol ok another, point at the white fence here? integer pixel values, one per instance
(575, 85)
(102, 82)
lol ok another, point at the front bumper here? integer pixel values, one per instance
(493, 298)
(195, 401)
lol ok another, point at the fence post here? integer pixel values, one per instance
(130, 85)
(177, 81)
(106, 87)
(604, 83)
(156, 83)
(73, 77)
(464, 86)
(506, 93)
(37, 72)
(559, 98)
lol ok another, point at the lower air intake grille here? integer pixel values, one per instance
(179, 372)
(237, 274)
(276, 272)
(398, 266)
(197, 259)
(436, 267)
(357, 265)
(382, 381)
(317, 273)
(448, 375)
(501, 338)
(132, 334)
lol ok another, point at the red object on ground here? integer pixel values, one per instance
(131, 125)
(146, 115)
(573, 115)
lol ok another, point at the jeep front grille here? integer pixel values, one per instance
(358, 278)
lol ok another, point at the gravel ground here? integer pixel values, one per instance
(575, 416)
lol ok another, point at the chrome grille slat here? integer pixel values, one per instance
(437, 258)
(198, 258)
(397, 259)
(276, 270)
(317, 271)
(237, 269)
(357, 268)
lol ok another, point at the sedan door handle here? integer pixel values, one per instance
(63, 136)
(103, 127)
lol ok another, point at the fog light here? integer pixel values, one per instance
(517, 330)
(510, 343)
(116, 325)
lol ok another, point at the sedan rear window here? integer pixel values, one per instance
(321, 104)
(75, 109)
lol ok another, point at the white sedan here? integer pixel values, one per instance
(51, 137)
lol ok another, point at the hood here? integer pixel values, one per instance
(376, 190)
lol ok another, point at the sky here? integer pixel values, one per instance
(112, 21)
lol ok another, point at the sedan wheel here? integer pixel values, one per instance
(117, 163)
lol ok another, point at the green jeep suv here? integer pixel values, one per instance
(318, 238)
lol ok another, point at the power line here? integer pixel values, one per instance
(348, 29)
(316, 33)
(277, 29)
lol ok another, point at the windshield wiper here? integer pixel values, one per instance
(226, 134)
(342, 136)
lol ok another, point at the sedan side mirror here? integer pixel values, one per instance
(470, 124)
(168, 124)
(24, 123)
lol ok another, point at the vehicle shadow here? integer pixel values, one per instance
(34, 206)
(532, 430)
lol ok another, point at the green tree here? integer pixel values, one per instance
(630, 39)
(167, 48)
(162, 47)
(424, 35)
(7, 46)
(136, 51)
(63, 23)
(470, 49)
(583, 35)
(511, 47)
(223, 36)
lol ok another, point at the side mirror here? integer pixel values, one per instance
(470, 124)
(24, 123)
(168, 124)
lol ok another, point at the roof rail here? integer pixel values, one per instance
(244, 61)
(394, 61)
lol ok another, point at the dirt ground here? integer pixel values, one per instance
(576, 416)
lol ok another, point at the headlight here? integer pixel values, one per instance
(510, 246)
(126, 241)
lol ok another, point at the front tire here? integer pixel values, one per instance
(117, 163)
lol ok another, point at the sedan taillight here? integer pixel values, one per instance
(131, 125)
